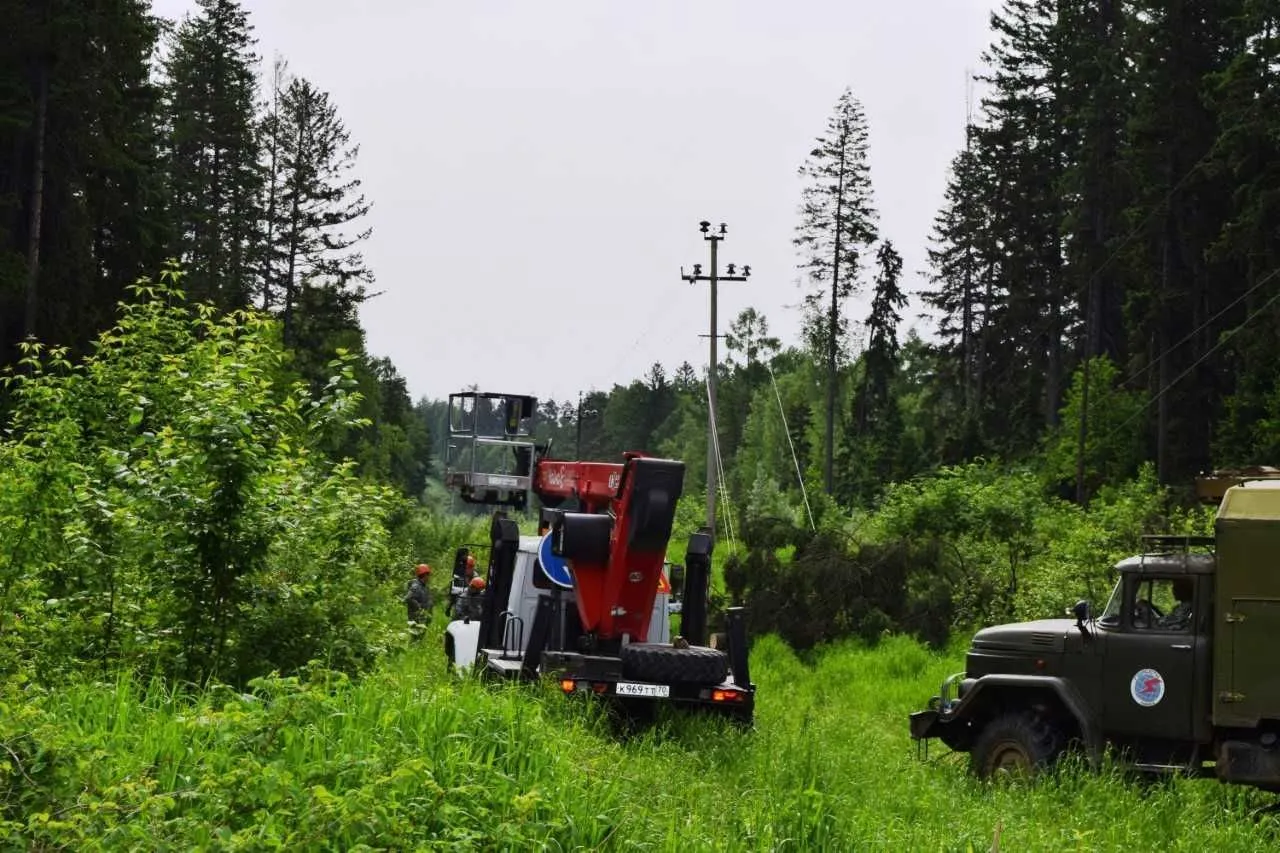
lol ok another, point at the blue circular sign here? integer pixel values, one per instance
(1147, 687)
(555, 568)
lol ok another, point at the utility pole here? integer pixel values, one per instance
(577, 447)
(714, 278)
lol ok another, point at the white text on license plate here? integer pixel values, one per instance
(656, 691)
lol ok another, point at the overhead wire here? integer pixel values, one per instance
(1200, 328)
(804, 493)
(719, 463)
(1111, 257)
(662, 306)
(1199, 361)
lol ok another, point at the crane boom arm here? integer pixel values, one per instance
(616, 558)
(595, 484)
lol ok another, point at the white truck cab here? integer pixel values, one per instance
(529, 583)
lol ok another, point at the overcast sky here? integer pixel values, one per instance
(538, 169)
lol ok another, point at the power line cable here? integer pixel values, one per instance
(663, 305)
(1199, 361)
(719, 463)
(804, 493)
(1198, 329)
(1111, 257)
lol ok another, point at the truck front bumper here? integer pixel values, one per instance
(924, 724)
(930, 722)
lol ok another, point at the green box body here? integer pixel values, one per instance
(1246, 643)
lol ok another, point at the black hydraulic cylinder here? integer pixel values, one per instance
(505, 536)
(697, 575)
(738, 664)
(538, 634)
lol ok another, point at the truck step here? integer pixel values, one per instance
(508, 667)
(1189, 770)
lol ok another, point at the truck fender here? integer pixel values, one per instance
(983, 691)
(461, 642)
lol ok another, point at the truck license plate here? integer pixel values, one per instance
(655, 691)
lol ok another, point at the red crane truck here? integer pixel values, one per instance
(584, 602)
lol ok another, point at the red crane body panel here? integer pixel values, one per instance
(614, 598)
(594, 483)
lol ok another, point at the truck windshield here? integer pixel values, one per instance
(1111, 614)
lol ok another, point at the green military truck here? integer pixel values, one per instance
(1175, 674)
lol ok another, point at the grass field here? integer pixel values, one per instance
(411, 758)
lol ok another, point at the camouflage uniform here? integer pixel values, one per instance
(469, 605)
(418, 600)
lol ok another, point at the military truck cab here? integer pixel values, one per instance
(1174, 674)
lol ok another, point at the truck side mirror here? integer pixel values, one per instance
(1082, 614)
(677, 580)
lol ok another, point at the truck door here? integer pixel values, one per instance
(1253, 692)
(1149, 681)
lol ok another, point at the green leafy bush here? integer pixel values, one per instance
(968, 546)
(166, 508)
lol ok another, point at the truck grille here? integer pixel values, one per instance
(1042, 638)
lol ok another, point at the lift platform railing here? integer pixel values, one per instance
(489, 450)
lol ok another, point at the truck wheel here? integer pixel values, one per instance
(669, 665)
(1015, 745)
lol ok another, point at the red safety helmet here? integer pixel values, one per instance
(423, 570)
(477, 583)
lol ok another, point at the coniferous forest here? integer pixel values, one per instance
(1106, 249)
(212, 493)
(1101, 305)
(129, 142)
(1111, 215)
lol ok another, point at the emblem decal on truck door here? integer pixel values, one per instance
(1147, 687)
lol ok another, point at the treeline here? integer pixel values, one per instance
(1103, 280)
(1117, 199)
(127, 140)
(1103, 291)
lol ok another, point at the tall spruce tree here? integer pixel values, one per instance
(317, 204)
(1247, 95)
(1019, 141)
(838, 222)
(1179, 287)
(212, 157)
(1091, 108)
(962, 257)
(880, 361)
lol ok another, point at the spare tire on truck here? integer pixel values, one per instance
(670, 665)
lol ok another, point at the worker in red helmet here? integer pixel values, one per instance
(418, 596)
(471, 567)
(470, 605)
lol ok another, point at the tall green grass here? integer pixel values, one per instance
(412, 758)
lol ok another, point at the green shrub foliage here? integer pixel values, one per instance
(166, 508)
(969, 546)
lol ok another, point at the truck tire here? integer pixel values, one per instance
(1018, 744)
(670, 665)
